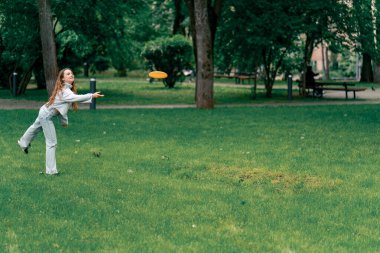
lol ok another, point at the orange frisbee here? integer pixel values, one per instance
(158, 74)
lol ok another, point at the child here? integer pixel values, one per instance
(64, 95)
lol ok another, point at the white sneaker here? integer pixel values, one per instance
(25, 150)
(53, 174)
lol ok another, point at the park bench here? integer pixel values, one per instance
(239, 77)
(245, 76)
(346, 87)
(224, 75)
(319, 87)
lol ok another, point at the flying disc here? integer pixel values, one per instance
(158, 74)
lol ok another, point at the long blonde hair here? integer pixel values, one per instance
(59, 85)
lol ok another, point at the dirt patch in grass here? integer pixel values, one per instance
(280, 181)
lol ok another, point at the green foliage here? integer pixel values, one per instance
(364, 26)
(170, 55)
(292, 61)
(260, 35)
(99, 33)
(345, 65)
(268, 179)
(88, 33)
(19, 38)
(278, 36)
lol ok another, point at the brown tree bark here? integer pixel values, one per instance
(205, 91)
(308, 51)
(190, 7)
(48, 44)
(367, 73)
(327, 70)
(376, 75)
(203, 22)
(179, 18)
(26, 78)
(323, 61)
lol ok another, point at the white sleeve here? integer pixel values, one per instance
(69, 96)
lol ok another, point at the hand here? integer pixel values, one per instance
(97, 95)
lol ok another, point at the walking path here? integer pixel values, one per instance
(366, 97)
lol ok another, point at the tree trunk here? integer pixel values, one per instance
(367, 73)
(38, 72)
(271, 68)
(203, 23)
(308, 51)
(323, 61)
(179, 18)
(204, 52)
(86, 68)
(26, 78)
(376, 76)
(327, 70)
(267, 61)
(190, 6)
(48, 44)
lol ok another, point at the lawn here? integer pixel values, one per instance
(138, 91)
(269, 179)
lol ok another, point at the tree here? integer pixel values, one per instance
(170, 55)
(48, 44)
(84, 31)
(377, 31)
(204, 47)
(178, 27)
(19, 45)
(203, 22)
(365, 37)
(262, 34)
(324, 22)
(268, 32)
(87, 33)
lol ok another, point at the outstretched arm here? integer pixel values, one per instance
(97, 95)
(69, 96)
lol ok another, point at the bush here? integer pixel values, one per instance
(170, 55)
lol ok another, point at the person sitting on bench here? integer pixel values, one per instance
(310, 81)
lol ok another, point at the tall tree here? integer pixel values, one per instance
(48, 44)
(269, 32)
(204, 15)
(87, 33)
(19, 41)
(376, 77)
(84, 32)
(262, 34)
(325, 22)
(205, 65)
(179, 18)
(363, 17)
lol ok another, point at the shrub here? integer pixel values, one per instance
(170, 55)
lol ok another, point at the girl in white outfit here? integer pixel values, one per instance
(64, 95)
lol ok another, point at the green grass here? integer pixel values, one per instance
(138, 91)
(270, 179)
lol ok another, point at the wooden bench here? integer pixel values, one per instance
(245, 76)
(239, 77)
(317, 90)
(347, 87)
(346, 90)
(223, 75)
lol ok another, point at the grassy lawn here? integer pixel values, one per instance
(138, 91)
(270, 179)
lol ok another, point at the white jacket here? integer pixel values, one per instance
(64, 99)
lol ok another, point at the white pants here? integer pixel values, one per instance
(44, 123)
